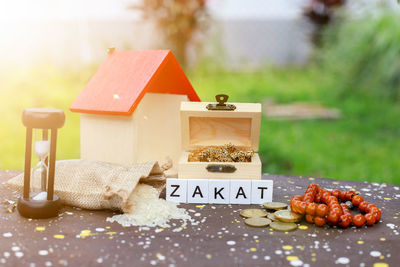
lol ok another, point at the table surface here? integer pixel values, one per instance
(220, 238)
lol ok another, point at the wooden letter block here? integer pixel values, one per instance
(197, 191)
(240, 192)
(261, 191)
(218, 191)
(176, 190)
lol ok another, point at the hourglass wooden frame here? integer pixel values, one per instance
(44, 119)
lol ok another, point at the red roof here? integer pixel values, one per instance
(126, 75)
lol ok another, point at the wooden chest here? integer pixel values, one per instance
(215, 124)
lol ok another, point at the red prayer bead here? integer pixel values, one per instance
(302, 207)
(322, 210)
(309, 218)
(345, 221)
(319, 221)
(363, 205)
(311, 209)
(336, 193)
(358, 220)
(356, 200)
(333, 212)
(370, 219)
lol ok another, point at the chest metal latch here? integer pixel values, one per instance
(221, 105)
(223, 168)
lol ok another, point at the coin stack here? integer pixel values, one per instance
(276, 215)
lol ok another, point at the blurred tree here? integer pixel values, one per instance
(320, 13)
(178, 21)
(363, 54)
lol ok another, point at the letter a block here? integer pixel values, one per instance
(218, 191)
(197, 191)
(240, 192)
(176, 190)
(261, 191)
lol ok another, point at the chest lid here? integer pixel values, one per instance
(215, 124)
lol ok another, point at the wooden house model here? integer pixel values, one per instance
(130, 108)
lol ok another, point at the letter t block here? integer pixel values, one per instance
(261, 191)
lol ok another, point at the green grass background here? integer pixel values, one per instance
(363, 145)
(357, 70)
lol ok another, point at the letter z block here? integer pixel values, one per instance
(176, 190)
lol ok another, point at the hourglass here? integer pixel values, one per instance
(39, 200)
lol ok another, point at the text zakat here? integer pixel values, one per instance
(219, 191)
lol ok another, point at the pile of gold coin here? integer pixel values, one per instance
(275, 215)
(225, 153)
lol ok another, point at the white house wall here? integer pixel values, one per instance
(158, 126)
(152, 133)
(108, 138)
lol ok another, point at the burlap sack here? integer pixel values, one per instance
(96, 185)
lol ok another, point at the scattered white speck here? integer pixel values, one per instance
(43, 252)
(254, 257)
(15, 248)
(99, 260)
(342, 260)
(153, 262)
(267, 258)
(19, 254)
(7, 234)
(296, 263)
(391, 225)
(230, 242)
(375, 253)
(48, 263)
(6, 254)
(278, 252)
(161, 257)
(197, 214)
(100, 229)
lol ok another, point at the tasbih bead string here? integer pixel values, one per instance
(322, 207)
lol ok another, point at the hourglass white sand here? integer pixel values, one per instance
(42, 150)
(39, 200)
